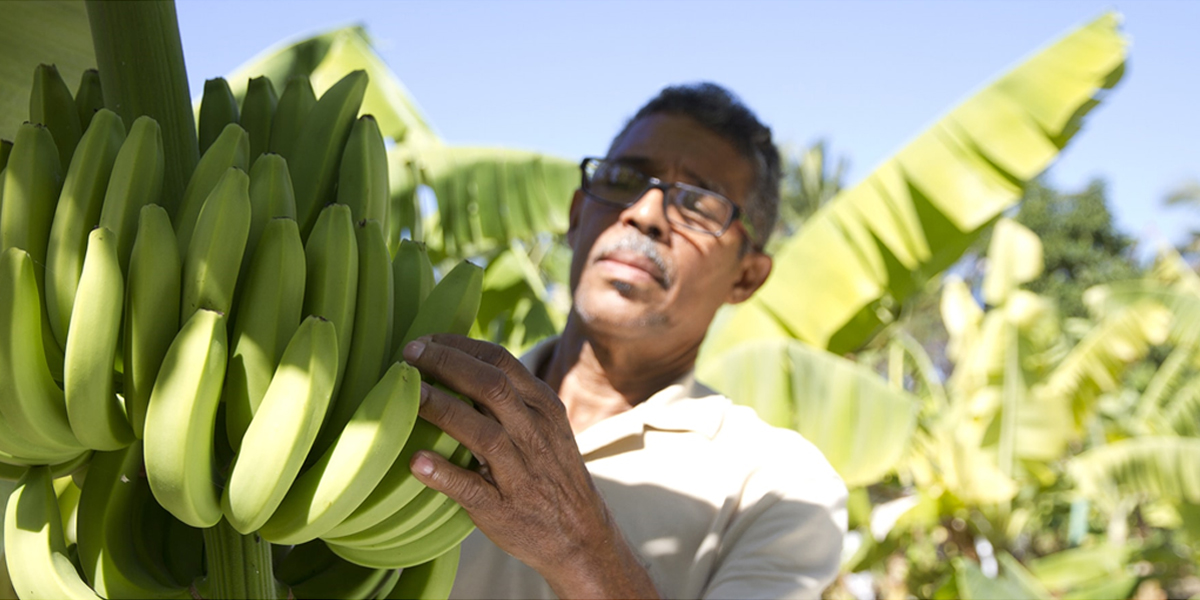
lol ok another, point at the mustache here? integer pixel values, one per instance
(645, 247)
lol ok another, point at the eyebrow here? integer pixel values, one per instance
(643, 162)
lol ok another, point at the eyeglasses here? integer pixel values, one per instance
(688, 206)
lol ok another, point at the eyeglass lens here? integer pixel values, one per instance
(690, 206)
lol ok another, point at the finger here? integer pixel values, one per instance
(533, 390)
(482, 382)
(493, 354)
(483, 436)
(461, 485)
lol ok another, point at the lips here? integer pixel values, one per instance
(638, 261)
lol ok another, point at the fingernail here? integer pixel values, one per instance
(413, 350)
(422, 465)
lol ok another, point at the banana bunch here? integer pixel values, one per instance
(233, 354)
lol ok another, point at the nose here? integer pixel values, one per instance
(648, 214)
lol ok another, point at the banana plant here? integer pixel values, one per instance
(849, 271)
(482, 198)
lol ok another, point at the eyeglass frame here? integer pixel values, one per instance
(737, 215)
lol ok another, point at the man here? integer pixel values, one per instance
(606, 469)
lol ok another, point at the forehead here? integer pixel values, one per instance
(679, 148)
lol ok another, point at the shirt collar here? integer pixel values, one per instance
(703, 413)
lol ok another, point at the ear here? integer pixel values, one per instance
(574, 216)
(752, 273)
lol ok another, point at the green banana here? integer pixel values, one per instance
(218, 108)
(180, 420)
(32, 405)
(152, 292)
(96, 415)
(303, 562)
(284, 427)
(349, 470)
(430, 580)
(371, 342)
(437, 543)
(450, 307)
(342, 579)
(34, 546)
(32, 182)
(184, 551)
(362, 182)
(271, 196)
(412, 272)
(214, 256)
(51, 104)
(148, 531)
(68, 504)
(411, 529)
(89, 97)
(136, 180)
(231, 149)
(106, 520)
(398, 486)
(406, 517)
(78, 211)
(269, 313)
(331, 255)
(258, 107)
(5, 151)
(13, 467)
(318, 152)
(291, 112)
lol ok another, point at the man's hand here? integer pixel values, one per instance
(532, 495)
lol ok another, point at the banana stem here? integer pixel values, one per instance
(140, 58)
(239, 566)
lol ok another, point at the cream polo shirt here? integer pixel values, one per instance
(717, 503)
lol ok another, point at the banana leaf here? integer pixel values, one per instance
(845, 274)
(858, 421)
(1165, 467)
(486, 197)
(327, 57)
(1012, 582)
(1096, 572)
(31, 33)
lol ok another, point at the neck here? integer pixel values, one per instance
(597, 376)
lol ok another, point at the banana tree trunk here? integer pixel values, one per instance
(140, 58)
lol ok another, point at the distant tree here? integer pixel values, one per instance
(810, 179)
(1081, 243)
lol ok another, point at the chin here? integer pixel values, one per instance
(618, 312)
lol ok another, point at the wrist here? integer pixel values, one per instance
(606, 567)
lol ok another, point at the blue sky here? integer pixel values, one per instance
(562, 77)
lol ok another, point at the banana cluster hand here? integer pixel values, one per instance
(232, 354)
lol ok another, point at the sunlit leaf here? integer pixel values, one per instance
(879, 241)
(1014, 258)
(1164, 467)
(31, 33)
(835, 403)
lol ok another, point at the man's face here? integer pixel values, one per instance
(635, 274)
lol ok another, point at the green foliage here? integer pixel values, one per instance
(1082, 245)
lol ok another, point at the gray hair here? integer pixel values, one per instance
(720, 111)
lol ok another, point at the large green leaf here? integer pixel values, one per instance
(875, 244)
(325, 58)
(1096, 572)
(34, 32)
(859, 422)
(486, 197)
(1095, 364)
(1163, 467)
